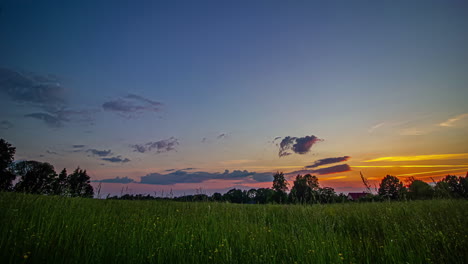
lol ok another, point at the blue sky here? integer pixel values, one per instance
(219, 80)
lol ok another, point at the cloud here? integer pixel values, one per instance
(333, 169)
(4, 124)
(131, 105)
(117, 159)
(43, 91)
(451, 121)
(328, 161)
(223, 135)
(100, 153)
(52, 152)
(324, 171)
(422, 157)
(78, 146)
(123, 180)
(49, 120)
(373, 128)
(160, 146)
(301, 145)
(204, 140)
(200, 176)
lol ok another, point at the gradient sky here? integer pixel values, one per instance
(160, 95)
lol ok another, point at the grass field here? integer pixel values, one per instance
(42, 229)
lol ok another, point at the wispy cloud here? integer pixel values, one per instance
(132, 105)
(451, 121)
(160, 146)
(44, 91)
(4, 124)
(324, 171)
(298, 145)
(373, 128)
(326, 161)
(99, 153)
(117, 159)
(422, 157)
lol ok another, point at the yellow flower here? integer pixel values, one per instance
(25, 256)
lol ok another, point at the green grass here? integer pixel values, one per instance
(73, 230)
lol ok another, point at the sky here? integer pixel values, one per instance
(183, 97)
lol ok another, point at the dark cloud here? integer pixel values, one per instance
(200, 176)
(117, 159)
(49, 120)
(223, 135)
(324, 171)
(4, 124)
(326, 161)
(160, 146)
(204, 140)
(78, 146)
(131, 105)
(333, 169)
(100, 153)
(170, 170)
(123, 180)
(298, 145)
(52, 152)
(43, 91)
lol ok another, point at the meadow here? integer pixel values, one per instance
(54, 229)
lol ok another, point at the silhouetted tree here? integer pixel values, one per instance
(235, 196)
(264, 195)
(458, 186)
(305, 189)
(217, 196)
(279, 182)
(327, 195)
(7, 153)
(391, 188)
(35, 177)
(60, 184)
(79, 184)
(420, 190)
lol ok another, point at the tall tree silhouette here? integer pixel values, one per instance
(79, 184)
(35, 177)
(391, 187)
(7, 153)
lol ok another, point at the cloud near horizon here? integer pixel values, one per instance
(181, 176)
(298, 145)
(326, 161)
(123, 180)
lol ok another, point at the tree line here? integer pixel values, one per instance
(40, 178)
(306, 190)
(29, 176)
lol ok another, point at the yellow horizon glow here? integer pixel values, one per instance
(422, 157)
(428, 172)
(410, 166)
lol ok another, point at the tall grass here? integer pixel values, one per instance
(49, 229)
